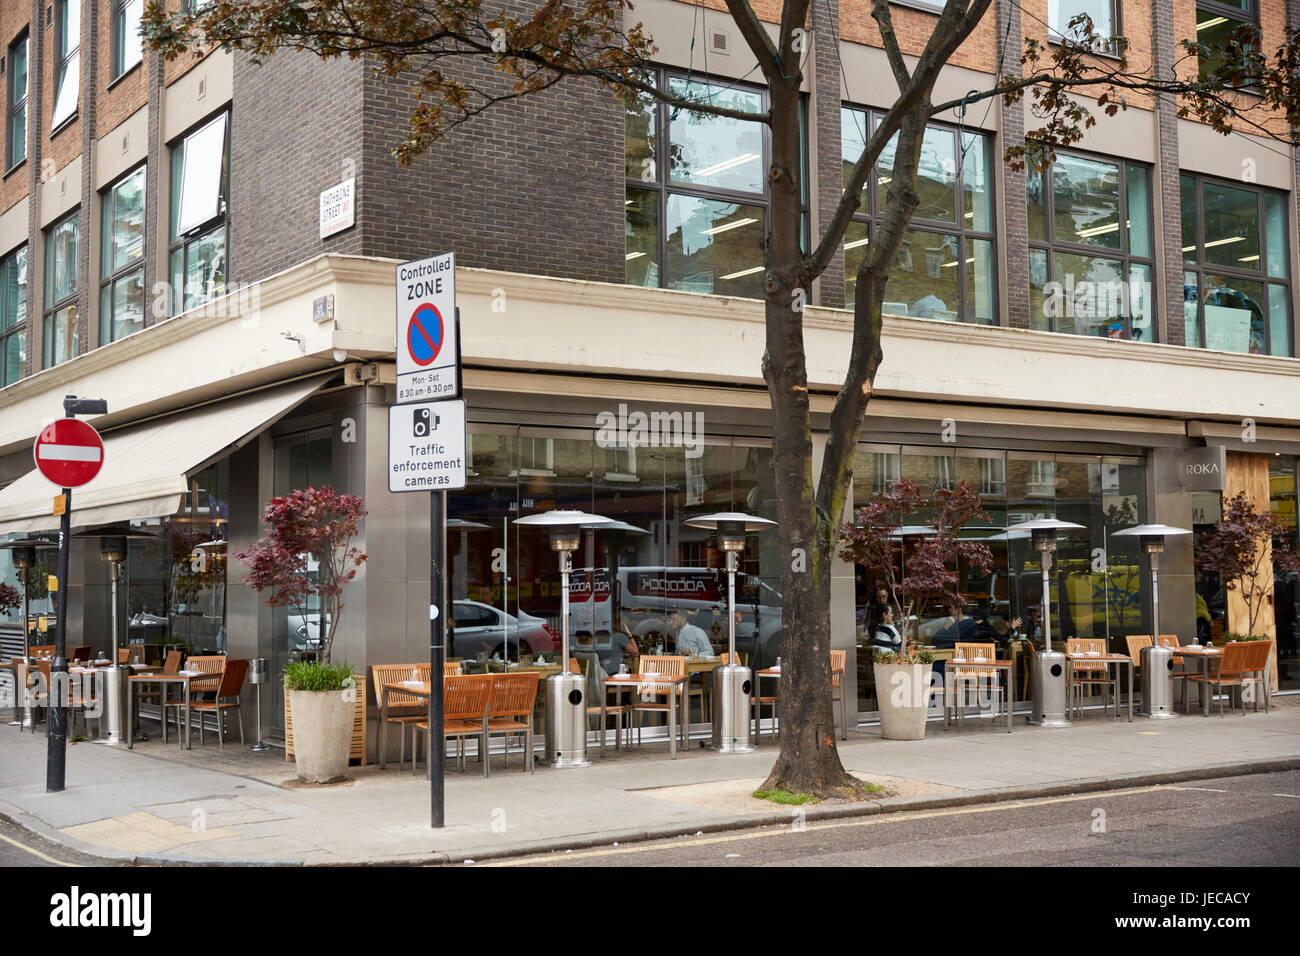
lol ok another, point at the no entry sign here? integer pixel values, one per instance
(69, 453)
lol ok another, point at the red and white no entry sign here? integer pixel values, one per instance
(69, 453)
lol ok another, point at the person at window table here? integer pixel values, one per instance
(622, 649)
(691, 640)
(885, 638)
(958, 626)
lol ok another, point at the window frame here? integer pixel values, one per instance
(870, 213)
(1200, 266)
(1057, 38)
(1238, 18)
(12, 327)
(180, 243)
(664, 186)
(62, 59)
(1123, 255)
(53, 306)
(15, 106)
(110, 276)
(117, 68)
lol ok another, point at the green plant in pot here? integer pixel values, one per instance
(306, 557)
(918, 567)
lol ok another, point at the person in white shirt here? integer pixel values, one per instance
(691, 640)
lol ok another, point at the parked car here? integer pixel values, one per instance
(482, 627)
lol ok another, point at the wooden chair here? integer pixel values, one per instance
(212, 664)
(1135, 643)
(1087, 674)
(124, 655)
(756, 705)
(227, 698)
(960, 678)
(1243, 662)
(839, 661)
(404, 710)
(1181, 665)
(80, 653)
(465, 712)
(511, 712)
(619, 711)
(451, 669)
(666, 665)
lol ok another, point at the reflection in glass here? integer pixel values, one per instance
(1040, 312)
(924, 279)
(855, 250)
(1095, 300)
(715, 246)
(1086, 198)
(715, 150)
(641, 232)
(853, 140)
(975, 182)
(640, 138)
(979, 281)
(1279, 320)
(1275, 230)
(936, 177)
(1231, 226)
(1187, 194)
(1137, 182)
(1191, 320)
(1234, 314)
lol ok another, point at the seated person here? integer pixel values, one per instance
(1003, 631)
(619, 648)
(691, 640)
(884, 637)
(956, 627)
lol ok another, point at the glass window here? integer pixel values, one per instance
(1061, 12)
(13, 316)
(16, 129)
(200, 215)
(1090, 264)
(67, 61)
(127, 49)
(1217, 26)
(1237, 298)
(122, 269)
(61, 307)
(945, 268)
(695, 211)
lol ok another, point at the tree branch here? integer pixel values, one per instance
(760, 44)
(880, 11)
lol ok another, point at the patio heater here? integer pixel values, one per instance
(1049, 694)
(566, 708)
(1157, 699)
(112, 551)
(24, 559)
(731, 682)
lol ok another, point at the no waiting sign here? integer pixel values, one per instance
(428, 345)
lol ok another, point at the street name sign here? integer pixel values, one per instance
(428, 347)
(426, 446)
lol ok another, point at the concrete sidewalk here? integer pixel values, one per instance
(159, 804)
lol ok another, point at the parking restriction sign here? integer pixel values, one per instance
(428, 343)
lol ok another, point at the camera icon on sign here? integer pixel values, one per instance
(424, 422)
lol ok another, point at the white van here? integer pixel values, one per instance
(648, 596)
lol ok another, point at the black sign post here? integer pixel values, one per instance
(437, 650)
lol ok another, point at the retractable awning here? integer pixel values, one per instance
(147, 467)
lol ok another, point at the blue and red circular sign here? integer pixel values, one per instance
(424, 334)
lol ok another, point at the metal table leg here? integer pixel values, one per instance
(383, 728)
(672, 720)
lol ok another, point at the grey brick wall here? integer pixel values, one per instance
(1011, 202)
(830, 176)
(1169, 235)
(295, 122)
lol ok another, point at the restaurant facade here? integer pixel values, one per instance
(1058, 364)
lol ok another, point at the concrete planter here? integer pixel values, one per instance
(904, 694)
(322, 733)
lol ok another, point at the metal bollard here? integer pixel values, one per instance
(1157, 682)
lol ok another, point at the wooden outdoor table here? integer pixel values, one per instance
(658, 681)
(971, 662)
(1106, 659)
(184, 679)
(1204, 655)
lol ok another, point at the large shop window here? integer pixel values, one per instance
(696, 206)
(127, 47)
(1090, 248)
(200, 216)
(121, 295)
(61, 301)
(13, 316)
(1104, 494)
(629, 582)
(945, 267)
(16, 125)
(1217, 23)
(1236, 289)
(67, 61)
(1286, 584)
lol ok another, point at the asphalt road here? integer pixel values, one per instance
(1233, 821)
(18, 847)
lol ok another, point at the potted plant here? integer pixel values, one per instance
(915, 574)
(307, 553)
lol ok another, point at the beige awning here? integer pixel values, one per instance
(147, 467)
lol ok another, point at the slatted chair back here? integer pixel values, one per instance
(668, 665)
(172, 664)
(970, 651)
(1260, 654)
(1135, 644)
(838, 663)
(425, 669)
(1236, 658)
(382, 674)
(1086, 645)
(575, 667)
(207, 664)
(466, 698)
(451, 669)
(1168, 640)
(513, 695)
(232, 679)
(124, 655)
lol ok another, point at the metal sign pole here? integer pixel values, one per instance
(437, 651)
(57, 751)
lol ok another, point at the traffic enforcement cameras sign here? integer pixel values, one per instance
(428, 351)
(426, 446)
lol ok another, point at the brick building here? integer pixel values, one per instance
(1062, 340)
